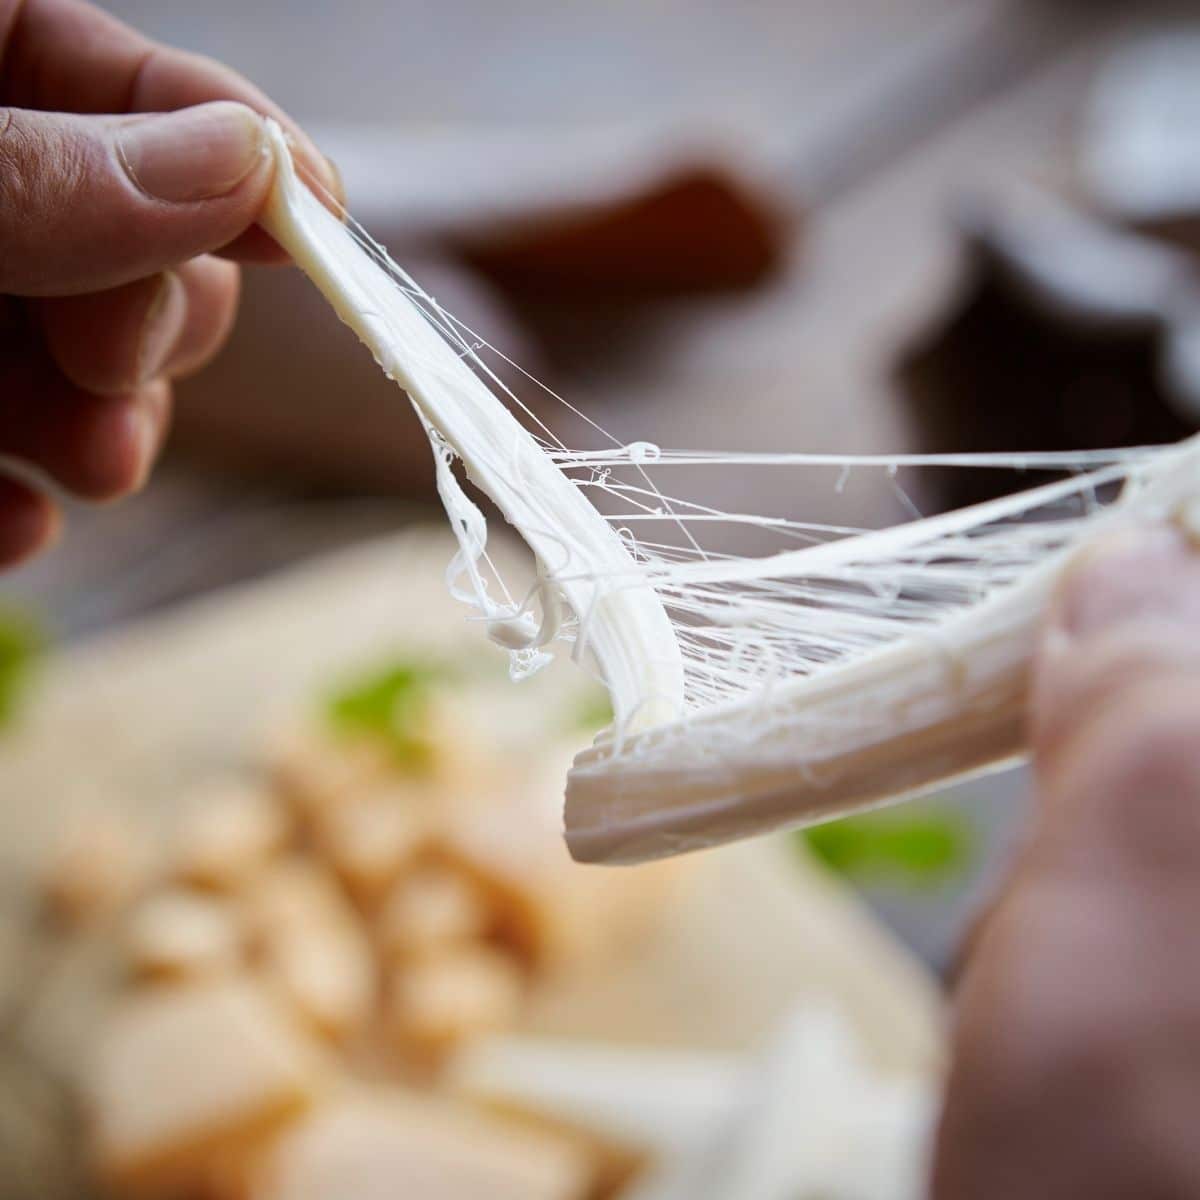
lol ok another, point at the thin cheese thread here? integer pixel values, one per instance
(748, 693)
(626, 629)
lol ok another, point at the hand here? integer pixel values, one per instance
(108, 285)
(1076, 1068)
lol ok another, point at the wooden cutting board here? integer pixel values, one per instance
(125, 722)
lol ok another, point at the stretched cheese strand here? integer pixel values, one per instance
(581, 559)
(793, 687)
(944, 702)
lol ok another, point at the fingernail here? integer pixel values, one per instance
(161, 327)
(1142, 573)
(194, 154)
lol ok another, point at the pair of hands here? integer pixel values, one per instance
(1076, 1063)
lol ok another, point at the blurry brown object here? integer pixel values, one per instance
(1063, 337)
(651, 206)
(700, 229)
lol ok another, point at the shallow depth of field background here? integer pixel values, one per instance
(851, 164)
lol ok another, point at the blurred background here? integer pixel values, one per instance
(886, 225)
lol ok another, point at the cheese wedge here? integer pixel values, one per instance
(228, 831)
(388, 1144)
(97, 865)
(435, 1003)
(296, 892)
(182, 1074)
(176, 935)
(429, 910)
(373, 838)
(327, 973)
(313, 768)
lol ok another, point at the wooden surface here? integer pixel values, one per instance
(748, 935)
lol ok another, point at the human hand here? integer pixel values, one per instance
(1076, 1069)
(109, 287)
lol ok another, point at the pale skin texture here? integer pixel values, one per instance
(1076, 1068)
(118, 253)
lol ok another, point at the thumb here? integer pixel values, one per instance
(1074, 1068)
(91, 202)
(1116, 701)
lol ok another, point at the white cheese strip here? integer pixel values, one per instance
(582, 559)
(184, 1072)
(943, 703)
(773, 701)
